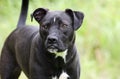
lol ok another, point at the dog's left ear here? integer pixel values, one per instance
(76, 16)
(38, 14)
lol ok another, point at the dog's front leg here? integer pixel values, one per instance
(36, 64)
(36, 72)
(36, 69)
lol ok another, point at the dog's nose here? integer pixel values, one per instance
(52, 39)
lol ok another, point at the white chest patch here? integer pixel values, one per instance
(62, 54)
(64, 75)
(54, 77)
(59, 54)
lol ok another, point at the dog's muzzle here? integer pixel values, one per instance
(52, 44)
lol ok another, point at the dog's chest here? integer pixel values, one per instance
(63, 75)
(60, 69)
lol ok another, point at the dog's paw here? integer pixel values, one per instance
(64, 75)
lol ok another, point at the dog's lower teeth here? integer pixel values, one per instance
(52, 50)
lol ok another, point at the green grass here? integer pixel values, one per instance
(98, 39)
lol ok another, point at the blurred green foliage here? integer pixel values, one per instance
(98, 39)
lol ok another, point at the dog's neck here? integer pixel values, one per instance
(61, 54)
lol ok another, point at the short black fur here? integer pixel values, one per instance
(34, 50)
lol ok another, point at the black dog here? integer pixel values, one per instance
(45, 53)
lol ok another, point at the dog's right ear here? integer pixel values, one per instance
(38, 14)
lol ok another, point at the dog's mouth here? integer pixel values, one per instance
(54, 49)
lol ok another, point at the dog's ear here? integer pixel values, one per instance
(38, 14)
(76, 16)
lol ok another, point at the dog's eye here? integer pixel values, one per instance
(63, 26)
(44, 26)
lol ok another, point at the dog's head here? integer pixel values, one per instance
(57, 27)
